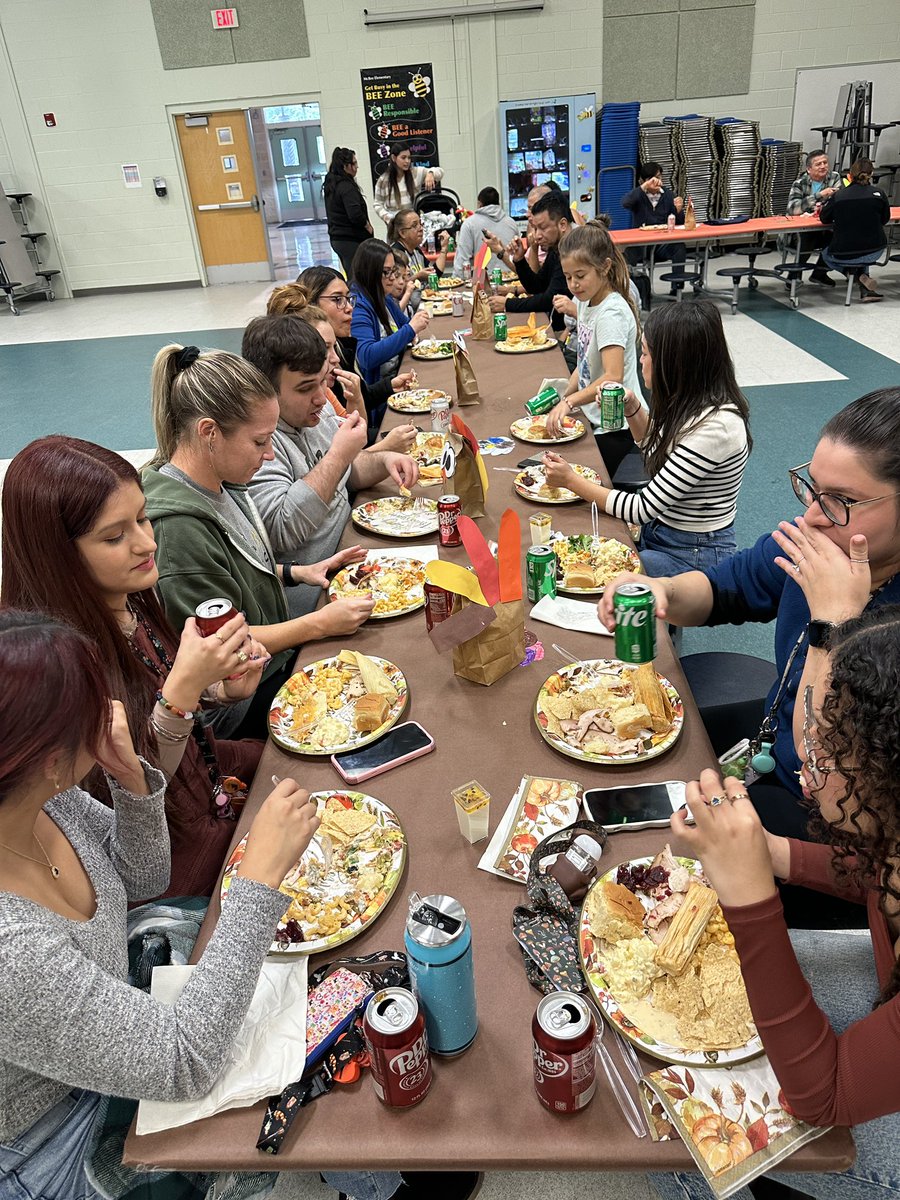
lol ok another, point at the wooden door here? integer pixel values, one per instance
(218, 162)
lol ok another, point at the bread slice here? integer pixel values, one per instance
(614, 913)
(581, 575)
(686, 928)
(630, 720)
(371, 712)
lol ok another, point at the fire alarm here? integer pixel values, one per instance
(50, 120)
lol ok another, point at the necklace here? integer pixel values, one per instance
(54, 871)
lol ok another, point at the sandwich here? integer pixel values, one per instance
(630, 720)
(686, 928)
(371, 712)
(614, 913)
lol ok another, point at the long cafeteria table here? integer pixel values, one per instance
(744, 231)
(482, 1111)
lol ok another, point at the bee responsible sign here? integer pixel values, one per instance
(399, 107)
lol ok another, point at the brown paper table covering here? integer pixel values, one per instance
(482, 1111)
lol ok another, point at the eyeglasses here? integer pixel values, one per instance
(835, 508)
(393, 273)
(816, 771)
(339, 300)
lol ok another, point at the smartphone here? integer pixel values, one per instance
(534, 461)
(645, 806)
(399, 745)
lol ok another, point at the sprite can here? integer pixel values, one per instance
(612, 407)
(433, 282)
(497, 276)
(499, 327)
(546, 399)
(540, 572)
(635, 612)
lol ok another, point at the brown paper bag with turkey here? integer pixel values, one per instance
(482, 317)
(466, 383)
(495, 651)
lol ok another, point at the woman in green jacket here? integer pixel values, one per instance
(214, 416)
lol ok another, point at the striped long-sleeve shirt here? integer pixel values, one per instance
(697, 488)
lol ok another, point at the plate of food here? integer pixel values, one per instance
(534, 429)
(585, 564)
(532, 484)
(433, 348)
(338, 704)
(449, 281)
(605, 711)
(438, 308)
(416, 400)
(345, 878)
(398, 516)
(525, 345)
(660, 960)
(397, 585)
(427, 450)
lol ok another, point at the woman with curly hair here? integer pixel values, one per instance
(838, 1064)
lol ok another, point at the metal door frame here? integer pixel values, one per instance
(285, 127)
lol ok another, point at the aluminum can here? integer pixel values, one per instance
(394, 1031)
(500, 327)
(213, 614)
(670, 222)
(612, 407)
(449, 511)
(438, 605)
(433, 282)
(546, 399)
(496, 276)
(635, 612)
(438, 945)
(440, 414)
(457, 304)
(467, 273)
(562, 1047)
(540, 572)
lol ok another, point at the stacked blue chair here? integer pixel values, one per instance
(618, 139)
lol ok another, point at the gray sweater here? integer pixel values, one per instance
(68, 1017)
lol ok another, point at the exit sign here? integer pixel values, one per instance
(224, 18)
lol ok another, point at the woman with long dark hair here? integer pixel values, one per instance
(828, 1015)
(381, 330)
(400, 182)
(695, 440)
(77, 545)
(345, 206)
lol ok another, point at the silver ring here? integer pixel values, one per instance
(860, 561)
(716, 801)
(241, 657)
(797, 568)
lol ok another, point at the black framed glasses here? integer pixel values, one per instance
(835, 508)
(816, 770)
(393, 273)
(339, 300)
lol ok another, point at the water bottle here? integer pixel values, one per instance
(438, 944)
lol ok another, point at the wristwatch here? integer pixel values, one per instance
(287, 575)
(819, 634)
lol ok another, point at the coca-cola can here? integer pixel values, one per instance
(456, 304)
(438, 605)
(394, 1030)
(565, 1068)
(449, 510)
(213, 614)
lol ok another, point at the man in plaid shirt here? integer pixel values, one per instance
(812, 188)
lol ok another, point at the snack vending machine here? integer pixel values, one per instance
(553, 138)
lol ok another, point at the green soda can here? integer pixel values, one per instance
(433, 282)
(540, 572)
(612, 407)
(635, 612)
(499, 327)
(496, 276)
(546, 399)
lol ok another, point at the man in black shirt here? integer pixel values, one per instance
(652, 204)
(551, 217)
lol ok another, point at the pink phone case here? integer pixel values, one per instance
(358, 777)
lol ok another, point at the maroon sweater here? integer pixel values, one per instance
(827, 1078)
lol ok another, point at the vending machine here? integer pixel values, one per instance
(553, 138)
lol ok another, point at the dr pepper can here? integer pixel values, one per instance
(213, 614)
(394, 1031)
(562, 1040)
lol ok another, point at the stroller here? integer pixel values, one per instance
(438, 211)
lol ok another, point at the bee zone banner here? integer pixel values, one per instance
(399, 107)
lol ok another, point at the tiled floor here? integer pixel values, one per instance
(299, 246)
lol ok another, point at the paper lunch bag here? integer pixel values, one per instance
(495, 651)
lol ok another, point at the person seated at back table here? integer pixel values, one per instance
(214, 415)
(406, 235)
(487, 221)
(650, 203)
(381, 330)
(534, 254)
(404, 288)
(301, 491)
(551, 219)
(839, 559)
(826, 1003)
(857, 214)
(817, 184)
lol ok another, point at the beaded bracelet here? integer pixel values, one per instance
(174, 709)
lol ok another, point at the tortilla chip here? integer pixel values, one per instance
(561, 706)
(345, 823)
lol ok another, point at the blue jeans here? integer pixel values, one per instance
(845, 265)
(841, 972)
(668, 551)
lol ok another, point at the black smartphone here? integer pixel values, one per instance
(530, 462)
(646, 806)
(399, 745)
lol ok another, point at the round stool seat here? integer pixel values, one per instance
(730, 691)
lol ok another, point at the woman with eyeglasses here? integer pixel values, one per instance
(838, 559)
(381, 330)
(407, 233)
(826, 1002)
(345, 206)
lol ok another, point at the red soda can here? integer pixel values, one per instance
(394, 1030)
(449, 510)
(565, 1069)
(438, 605)
(213, 614)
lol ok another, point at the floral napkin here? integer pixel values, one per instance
(734, 1120)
